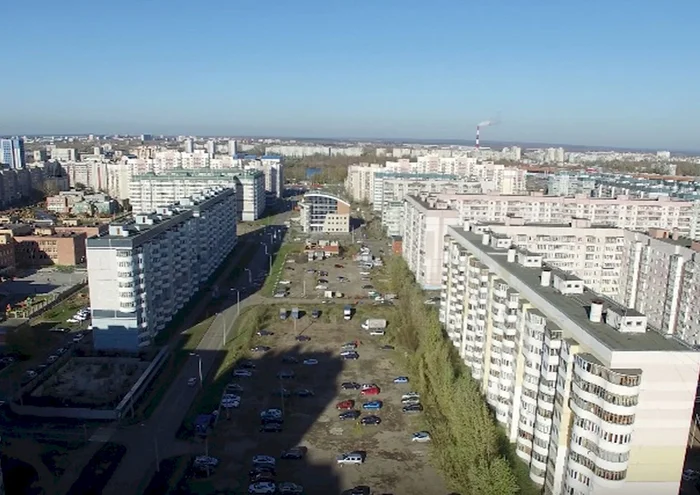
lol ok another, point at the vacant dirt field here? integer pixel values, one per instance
(393, 463)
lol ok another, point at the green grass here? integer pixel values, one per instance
(275, 274)
(209, 396)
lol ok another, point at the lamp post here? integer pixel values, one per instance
(238, 302)
(199, 358)
(250, 276)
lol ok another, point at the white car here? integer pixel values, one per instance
(280, 294)
(243, 373)
(266, 459)
(377, 332)
(284, 282)
(72, 320)
(321, 287)
(52, 358)
(262, 487)
(421, 437)
(78, 338)
(310, 362)
(350, 458)
(364, 273)
(192, 381)
(410, 395)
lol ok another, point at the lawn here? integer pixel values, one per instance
(275, 274)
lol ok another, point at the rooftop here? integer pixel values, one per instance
(574, 307)
(198, 173)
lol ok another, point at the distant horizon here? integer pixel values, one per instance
(485, 143)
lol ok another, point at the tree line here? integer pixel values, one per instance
(469, 446)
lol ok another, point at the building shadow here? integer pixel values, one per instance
(303, 393)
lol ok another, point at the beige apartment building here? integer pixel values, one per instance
(595, 399)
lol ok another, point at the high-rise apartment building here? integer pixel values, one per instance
(150, 191)
(565, 184)
(148, 267)
(595, 400)
(12, 153)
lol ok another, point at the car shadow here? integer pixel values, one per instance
(234, 436)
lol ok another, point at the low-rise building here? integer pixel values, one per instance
(323, 212)
(44, 246)
(595, 399)
(149, 266)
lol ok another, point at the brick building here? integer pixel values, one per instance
(46, 246)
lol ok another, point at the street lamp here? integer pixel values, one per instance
(199, 357)
(250, 276)
(270, 258)
(265, 246)
(238, 302)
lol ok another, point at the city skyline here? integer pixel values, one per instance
(556, 73)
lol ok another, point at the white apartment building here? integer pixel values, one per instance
(661, 276)
(390, 186)
(150, 191)
(297, 151)
(596, 401)
(63, 154)
(272, 168)
(424, 225)
(148, 267)
(359, 183)
(621, 212)
(91, 174)
(591, 252)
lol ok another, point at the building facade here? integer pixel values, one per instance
(322, 212)
(44, 246)
(147, 268)
(150, 191)
(595, 400)
(12, 153)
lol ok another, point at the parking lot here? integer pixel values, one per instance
(312, 279)
(35, 282)
(393, 463)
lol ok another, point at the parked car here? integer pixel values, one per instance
(234, 387)
(338, 265)
(290, 359)
(242, 373)
(348, 346)
(285, 375)
(387, 348)
(421, 437)
(368, 385)
(316, 313)
(266, 459)
(284, 282)
(410, 402)
(247, 365)
(352, 356)
(192, 381)
(350, 386)
(401, 379)
(347, 353)
(413, 408)
(351, 458)
(280, 294)
(262, 487)
(352, 414)
(206, 461)
(52, 358)
(60, 330)
(368, 287)
(260, 348)
(264, 333)
(345, 404)
(360, 490)
(373, 404)
(410, 395)
(295, 453)
(304, 392)
(288, 488)
(370, 420)
(302, 338)
(321, 287)
(377, 332)
(310, 362)
(370, 391)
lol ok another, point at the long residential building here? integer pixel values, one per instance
(150, 191)
(661, 276)
(621, 212)
(592, 252)
(595, 399)
(148, 267)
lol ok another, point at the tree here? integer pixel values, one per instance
(79, 186)
(49, 188)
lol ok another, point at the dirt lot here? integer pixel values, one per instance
(394, 464)
(297, 273)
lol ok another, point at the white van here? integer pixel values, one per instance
(350, 458)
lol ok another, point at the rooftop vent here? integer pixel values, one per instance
(596, 311)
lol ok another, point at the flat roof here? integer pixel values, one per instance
(575, 307)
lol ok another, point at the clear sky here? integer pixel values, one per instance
(620, 72)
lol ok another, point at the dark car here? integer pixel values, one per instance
(315, 313)
(371, 420)
(387, 348)
(271, 428)
(350, 386)
(290, 359)
(263, 476)
(322, 281)
(294, 453)
(367, 287)
(260, 348)
(323, 273)
(265, 470)
(267, 421)
(349, 415)
(413, 408)
(359, 490)
(247, 365)
(285, 375)
(302, 338)
(264, 333)
(351, 356)
(304, 392)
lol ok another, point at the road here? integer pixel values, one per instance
(155, 438)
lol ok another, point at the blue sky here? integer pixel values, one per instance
(622, 72)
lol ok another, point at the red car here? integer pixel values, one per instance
(370, 391)
(346, 404)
